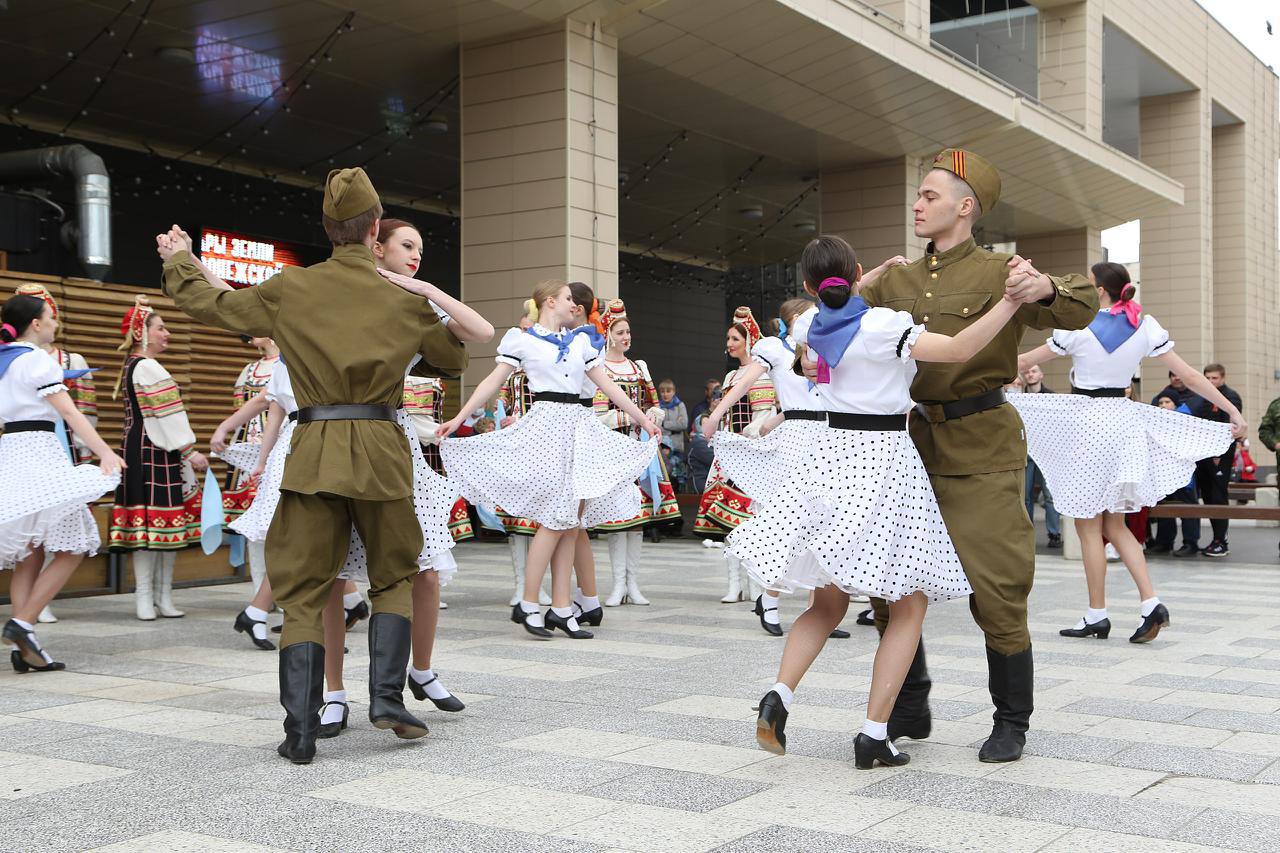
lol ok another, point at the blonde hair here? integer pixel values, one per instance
(542, 291)
(793, 308)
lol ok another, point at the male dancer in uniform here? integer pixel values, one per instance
(347, 336)
(971, 441)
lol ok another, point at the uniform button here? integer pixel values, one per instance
(964, 311)
(928, 295)
(933, 262)
(933, 275)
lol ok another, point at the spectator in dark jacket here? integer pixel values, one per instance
(1175, 391)
(1213, 476)
(708, 403)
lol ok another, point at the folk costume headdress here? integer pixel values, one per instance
(614, 311)
(39, 292)
(743, 317)
(134, 329)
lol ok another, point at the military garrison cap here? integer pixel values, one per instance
(975, 171)
(348, 193)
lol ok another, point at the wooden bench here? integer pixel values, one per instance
(1228, 511)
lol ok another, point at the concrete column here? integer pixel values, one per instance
(870, 206)
(912, 14)
(1071, 62)
(1177, 247)
(1059, 254)
(539, 171)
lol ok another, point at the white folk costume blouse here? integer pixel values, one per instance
(163, 416)
(874, 377)
(1093, 366)
(778, 355)
(30, 379)
(541, 360)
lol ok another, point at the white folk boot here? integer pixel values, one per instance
(634, 539)
(164, 587)
(735, 581)
(144, 567)
(617, 562)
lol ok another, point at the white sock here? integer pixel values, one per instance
(1149, 605)
(333, 713)
(1092, 616)
(259, 618)
(786, 693)
(429, 682)
(769, 604)
(27, 625)
(351, 600)
(587, 602)
(532, 616)
(879, 731)
(566, 613)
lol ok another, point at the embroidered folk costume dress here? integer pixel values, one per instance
(43, 497)
(557, 456)
(238, 490)
(858, 512)
(424, 404)
(1099, 451)
(725, 504)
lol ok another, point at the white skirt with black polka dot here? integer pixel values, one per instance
(44, 498)
(860, 514)
(1109, 454)
(555, 462)
(433, 500)
(761, 466)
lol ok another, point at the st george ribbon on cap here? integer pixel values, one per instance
(975, 171)
(348, 193)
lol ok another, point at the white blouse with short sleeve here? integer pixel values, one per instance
(1093, 367)
(874, 375)
(31, 378)
(279, 389)
(778, 356)
(537, 358)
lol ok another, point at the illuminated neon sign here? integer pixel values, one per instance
(243, 261)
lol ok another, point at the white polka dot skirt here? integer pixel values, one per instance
(433, 499)
(761, 466)
(860, 514)
(550, 462)
(1111, 454)
(243, 455)
(44, 498)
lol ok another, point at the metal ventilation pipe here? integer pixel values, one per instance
(93, 195)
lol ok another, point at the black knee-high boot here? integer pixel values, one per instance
(910, 716)
(1011, 684)
(390, 639)
(301, 689)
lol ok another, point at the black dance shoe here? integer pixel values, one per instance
(28, 648)
(772, 723)
(591, 617)
(328, 730)
(355, 614)
(389, 642)
(866, 617)
(517, 616)
(769, 627)
(244, 625)
(449, 703)
(839, 634)
(1151, 625)
(1099, 629)
(551, 620)
(867, 751)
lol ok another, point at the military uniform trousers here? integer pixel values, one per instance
(995, 541)
(307, 545)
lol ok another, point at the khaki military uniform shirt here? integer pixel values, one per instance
(946, 291)
(347, 335)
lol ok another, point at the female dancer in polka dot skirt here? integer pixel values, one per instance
(724, 504)
(1103, 455)
(43, 497)
(859, 517)
(558, 465)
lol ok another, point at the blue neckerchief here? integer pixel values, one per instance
(675, 401)
(782, 328)
(76, 374)
(835, 328)
(561, 341)
(593, 335)
(10, 352)
(1111, 330)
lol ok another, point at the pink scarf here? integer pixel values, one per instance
(1132, 311)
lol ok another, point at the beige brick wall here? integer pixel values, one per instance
(539, 170)
(1059, 254)
(870, 206)
(1071, 63)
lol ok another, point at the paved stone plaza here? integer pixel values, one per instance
(162, 736)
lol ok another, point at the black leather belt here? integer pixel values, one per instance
(28, 426)
(293, 416)
(556, 397)
(936, 413)
(869, 423)
(589, 402)
(349, 412)
(803, 415)
(1099, 392)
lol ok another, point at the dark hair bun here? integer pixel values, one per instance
(836, 296)
(1128, 293)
